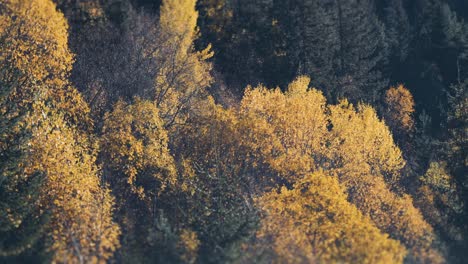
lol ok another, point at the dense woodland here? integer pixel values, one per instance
(233, 131)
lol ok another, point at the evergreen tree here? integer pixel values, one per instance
(436, 58)
(457, 128)
(397, 35)
(252, 47)
(341, 45)
(361, 49)
(319, 46)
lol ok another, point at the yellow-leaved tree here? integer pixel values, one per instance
(35, 59)
(400, 109)
(398, 116)
(304, 134)
(274, 139)
(296, 123)
(80, 227)
(49, 187)
(134, 149)
(360, 141)
(314, 222)
(366, 160)
(138, 166)
(183, 72)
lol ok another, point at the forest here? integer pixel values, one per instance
(233, 131)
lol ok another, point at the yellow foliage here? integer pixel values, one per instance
(183, 73)
(188, 244)
(299, 140)
(272, 139)
(36, 60)
(294, 126)
(134, 146)
(81, 225)
(393, 214)
(314, 222)
(38, 114)
(400, 109)
(27, 23)
(280, 137)
(296, 133)
(362, 143)
(179, 18)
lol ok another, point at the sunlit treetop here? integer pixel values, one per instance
(297, 122)
(179, 18)
(36, 60)
(184, 73)
(135, 149)
(400, 109)
(35, 39)
(315, 222)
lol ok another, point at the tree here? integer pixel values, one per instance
(115, 61)
(215, 17)
(305, 135)
(81, 11)
(341, 44)
(312, 45)
(397, 35)
(184, 73)
(81, 228)
(361, 51)
(139, 168)
(398, 115)
(314, 222)
(457, 129)
(38, 64)
(248, 41)
(368, 163)
(146, 56)
(295, 123)
(436, 57)
(134, 150)
(22, 72)
(455, 150)
(439, 198)
(218, 182)
(42, 119)
(455, 40)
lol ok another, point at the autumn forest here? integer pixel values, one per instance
(233, 131)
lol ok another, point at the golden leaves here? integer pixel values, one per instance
(400, 109)
(294, 122)
(188, 244)
(305, 135)
(36, 60)
(37, 40)
(364, 142)
(49, 136)
(314, 222)
(135, 148)
(81, 209)
(183, 73)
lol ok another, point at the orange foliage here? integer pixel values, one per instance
(400, 109)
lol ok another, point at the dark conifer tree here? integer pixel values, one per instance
(397, 36)
(340, 44)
